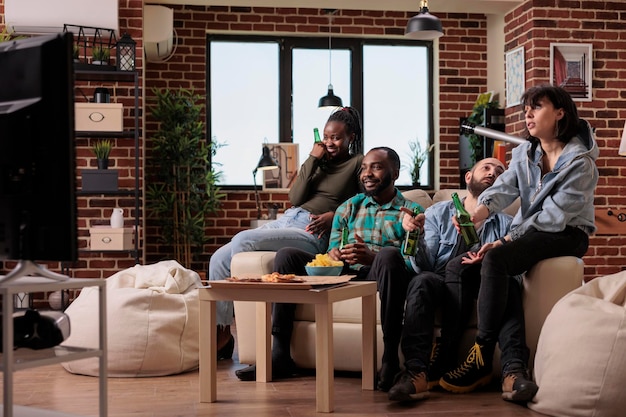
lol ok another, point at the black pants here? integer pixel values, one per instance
(388, 270)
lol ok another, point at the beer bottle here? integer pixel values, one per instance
(410, 240)
(316, 135)
(344, 237)
(465, 222)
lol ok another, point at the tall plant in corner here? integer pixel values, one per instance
(184, 187)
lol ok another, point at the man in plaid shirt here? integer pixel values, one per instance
(375, 236)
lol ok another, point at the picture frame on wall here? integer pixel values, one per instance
(515, 76)
(281, 179)
(571, 67)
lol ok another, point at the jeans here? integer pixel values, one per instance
(288, 230)
(463, 283)
(424, 295)
(388, 269)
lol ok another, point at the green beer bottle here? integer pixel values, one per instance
(410, 240)
(316, 135)
(465, 222)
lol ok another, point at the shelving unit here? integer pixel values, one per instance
(115, 77)
(15, 360)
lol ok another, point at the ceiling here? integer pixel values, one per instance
(455, 6)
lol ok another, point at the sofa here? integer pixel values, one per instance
(544, 285)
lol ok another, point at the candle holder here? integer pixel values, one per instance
(126, 53)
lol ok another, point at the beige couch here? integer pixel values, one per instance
(544, 284)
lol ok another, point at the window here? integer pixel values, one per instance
(266, 89)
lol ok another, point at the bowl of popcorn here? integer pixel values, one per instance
(323, 265)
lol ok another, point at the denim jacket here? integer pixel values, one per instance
(437, 243)
(562, 197)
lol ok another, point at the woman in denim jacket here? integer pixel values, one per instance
(554, 174)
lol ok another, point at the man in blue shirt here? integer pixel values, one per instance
(375, 236)
(437, 284)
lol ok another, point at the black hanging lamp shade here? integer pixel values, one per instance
(330, 99)
(424, 26)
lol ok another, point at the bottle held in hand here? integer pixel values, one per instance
(468, 231)
(410, 240)
(344, 237)
(316, 135)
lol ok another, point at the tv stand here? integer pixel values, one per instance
(25, 268)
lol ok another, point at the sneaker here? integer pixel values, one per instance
(516, 384)
(472, 374)
(409, 386)
(279, 371)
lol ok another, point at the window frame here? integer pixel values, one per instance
(355, 45)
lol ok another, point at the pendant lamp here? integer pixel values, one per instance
(424, 26)
(330, 100)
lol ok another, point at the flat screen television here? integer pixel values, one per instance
(37, 150)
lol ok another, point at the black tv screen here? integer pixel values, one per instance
(37, 154)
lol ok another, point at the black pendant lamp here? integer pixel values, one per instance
(424, 26)
(330, 100)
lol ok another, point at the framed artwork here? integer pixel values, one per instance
(281, 179)
(571, 68)
(515, 76)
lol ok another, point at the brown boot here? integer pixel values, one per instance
(225, 343)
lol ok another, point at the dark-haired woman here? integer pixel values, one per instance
(555, 176)
(326, 179)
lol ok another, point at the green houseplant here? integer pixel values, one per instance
(102, 150)
(477, 118)
(100, 55)
(417, 158)
(183, 188)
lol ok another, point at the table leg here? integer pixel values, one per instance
(263, 342)
(368, 352)
(324, 363)
(208, 352)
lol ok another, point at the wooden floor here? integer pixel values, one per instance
(52, 388)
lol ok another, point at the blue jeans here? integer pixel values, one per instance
(287, 230)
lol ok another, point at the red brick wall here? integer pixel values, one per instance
(535, 25)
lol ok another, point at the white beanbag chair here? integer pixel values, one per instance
(152, 322)
(580, 365)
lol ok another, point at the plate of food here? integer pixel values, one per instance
(276, 280)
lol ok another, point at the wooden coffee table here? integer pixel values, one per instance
(265, 295)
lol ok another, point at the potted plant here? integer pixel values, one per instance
(477, 118)
(100, 55)
(102, 150)
(183, 186)
(417, 158)
(76, 52)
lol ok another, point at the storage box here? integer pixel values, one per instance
(100, 180)
(111, 238)
(99, 117)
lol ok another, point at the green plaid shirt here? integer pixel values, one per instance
(378, 225)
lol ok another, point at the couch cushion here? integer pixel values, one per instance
(580, 362)
(418, 196)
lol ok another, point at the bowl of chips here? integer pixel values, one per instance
(323, 265)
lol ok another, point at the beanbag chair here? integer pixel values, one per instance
(152, 322)
(581, 354)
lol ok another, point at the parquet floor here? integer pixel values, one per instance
(51, 387)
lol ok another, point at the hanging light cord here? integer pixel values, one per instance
(330, 52)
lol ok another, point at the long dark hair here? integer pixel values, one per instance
(568, 126)
(351, 118)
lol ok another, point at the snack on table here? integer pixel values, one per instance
(324, 259)
(276, 277)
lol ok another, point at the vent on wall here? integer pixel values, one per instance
(158, 33)
(49, 16)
